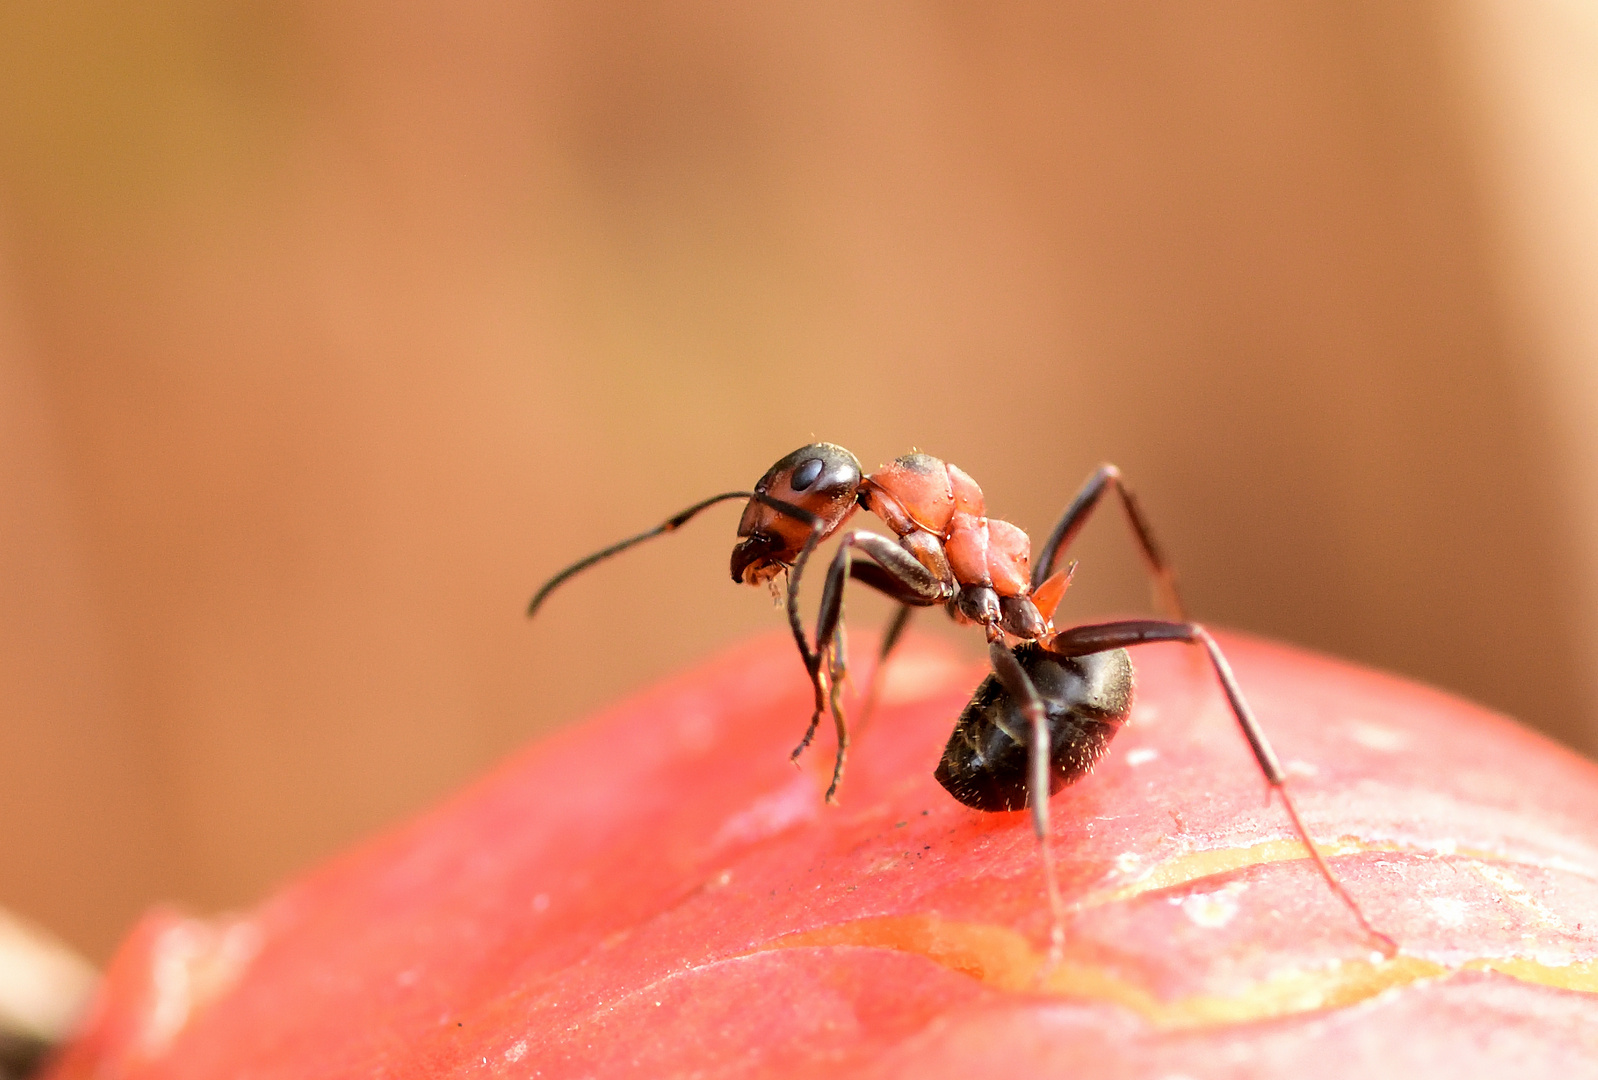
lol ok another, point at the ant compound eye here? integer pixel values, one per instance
(806, 474)
(818, 471)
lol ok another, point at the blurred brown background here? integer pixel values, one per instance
(327, 330)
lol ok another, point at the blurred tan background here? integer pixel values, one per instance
(327, 330)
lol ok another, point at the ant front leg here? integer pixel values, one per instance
(893, 571)
(1076, 516)
(1083, 640)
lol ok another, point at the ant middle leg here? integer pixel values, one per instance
(1076, 515)
(894, 571)
(890, 638)
(1083, 640)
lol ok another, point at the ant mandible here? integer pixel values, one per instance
(1047, 712)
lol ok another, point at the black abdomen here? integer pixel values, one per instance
(1087, 699)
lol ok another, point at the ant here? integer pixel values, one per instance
(1046, 714)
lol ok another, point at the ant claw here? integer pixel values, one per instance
(1056, 946)
(1384, 945)
(837, 778)
(804, 743)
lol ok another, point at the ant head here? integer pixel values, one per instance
(821, 479)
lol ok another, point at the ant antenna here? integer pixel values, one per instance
(620, 546)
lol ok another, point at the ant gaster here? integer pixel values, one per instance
(1047, 712)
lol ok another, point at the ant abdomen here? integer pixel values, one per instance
(1086, 698)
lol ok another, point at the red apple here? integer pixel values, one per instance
(658, 892)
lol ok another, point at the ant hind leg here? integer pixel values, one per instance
(1076, 515)
(1083, 640)
(1018, 684)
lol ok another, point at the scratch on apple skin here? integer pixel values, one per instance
(1004, 959)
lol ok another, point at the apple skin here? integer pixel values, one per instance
(659, 892)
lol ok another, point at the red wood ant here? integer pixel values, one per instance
(1047, 712)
